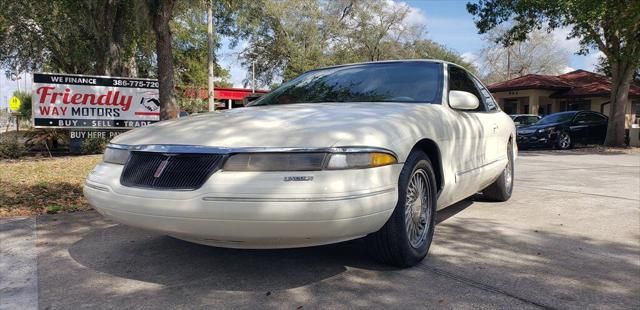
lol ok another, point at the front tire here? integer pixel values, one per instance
(406, 237)
(564, 141)
(501, 189)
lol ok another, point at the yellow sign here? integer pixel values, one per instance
(14, 104)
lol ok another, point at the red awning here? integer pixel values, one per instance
(219, 93)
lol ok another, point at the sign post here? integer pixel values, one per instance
(14, 106)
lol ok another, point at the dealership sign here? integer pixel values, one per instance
(82, 101)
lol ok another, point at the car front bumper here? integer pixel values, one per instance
(254, 209)
(536, 140)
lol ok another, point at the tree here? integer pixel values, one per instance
(377, 27)
(611, 26)
(161, 12)
(190, 47)
(538, 54)
(45, 35)
(297, 36)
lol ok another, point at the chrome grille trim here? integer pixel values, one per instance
(182, 172)
(199, 149)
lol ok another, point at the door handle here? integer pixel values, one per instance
(495, 127)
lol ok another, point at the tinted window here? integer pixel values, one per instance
(414, 82)
(489, 103)
(556, 118)
(459, 80)
(531, 120)
(589, 118)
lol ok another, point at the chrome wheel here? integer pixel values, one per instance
(564, 141)
(417, 202)
(508, 171)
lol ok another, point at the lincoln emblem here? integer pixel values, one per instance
(161, 167)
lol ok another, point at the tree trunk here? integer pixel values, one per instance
(621, 75)
(162, 13)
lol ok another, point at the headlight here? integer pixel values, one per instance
(545, 130)
(275, 162)
(115, 155)
(307, 161)
(360, 160)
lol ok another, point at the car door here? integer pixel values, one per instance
(597, 127)
(474, 137)
(579, 128)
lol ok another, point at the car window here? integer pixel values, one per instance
(487, 98)
(460, 80)
(407, 81)
(557, 118)
(588, 118)
(593, 118)
(532, 120)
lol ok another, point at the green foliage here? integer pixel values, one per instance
(11, 146)
(192, 105)
(53, 209)
(25, 108)
(190, 49)
(94, 145)
(45, 35)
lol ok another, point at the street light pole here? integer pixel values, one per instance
(210, 86)
(253, 76)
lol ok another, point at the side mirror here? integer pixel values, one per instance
(462, 100)
(517, 123)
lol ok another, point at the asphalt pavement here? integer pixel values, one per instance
(569, 238)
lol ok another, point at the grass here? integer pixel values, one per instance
(34, 186)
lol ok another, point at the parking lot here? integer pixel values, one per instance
(569, 238)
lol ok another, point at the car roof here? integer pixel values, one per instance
(516, 115)
(388, 61)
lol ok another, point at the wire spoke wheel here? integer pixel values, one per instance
(418, 200)
(565, 140)
(508, 172)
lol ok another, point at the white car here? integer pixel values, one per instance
(339, 153)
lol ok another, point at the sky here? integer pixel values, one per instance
(447, 22)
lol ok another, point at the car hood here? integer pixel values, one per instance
(293, 125)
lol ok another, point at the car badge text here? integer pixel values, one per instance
(298, 179)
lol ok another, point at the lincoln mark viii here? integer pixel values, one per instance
(367, 150)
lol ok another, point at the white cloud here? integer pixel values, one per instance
(469, 57)
(416, 16)
(592, 60)
(560, 37)
(568, 69)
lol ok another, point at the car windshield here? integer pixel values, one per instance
(556, 118)
(411, 81)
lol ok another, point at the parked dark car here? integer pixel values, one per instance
(524, 119)
(563, 130)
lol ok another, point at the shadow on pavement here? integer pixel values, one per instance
(169, 261)
(139, 255)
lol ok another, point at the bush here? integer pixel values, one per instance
(52, 137)
(11, 146)
(25, 109)
(94, 145)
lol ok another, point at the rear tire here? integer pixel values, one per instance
(406, 237)
(502, 188)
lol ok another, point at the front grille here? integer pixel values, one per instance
(180, 172)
